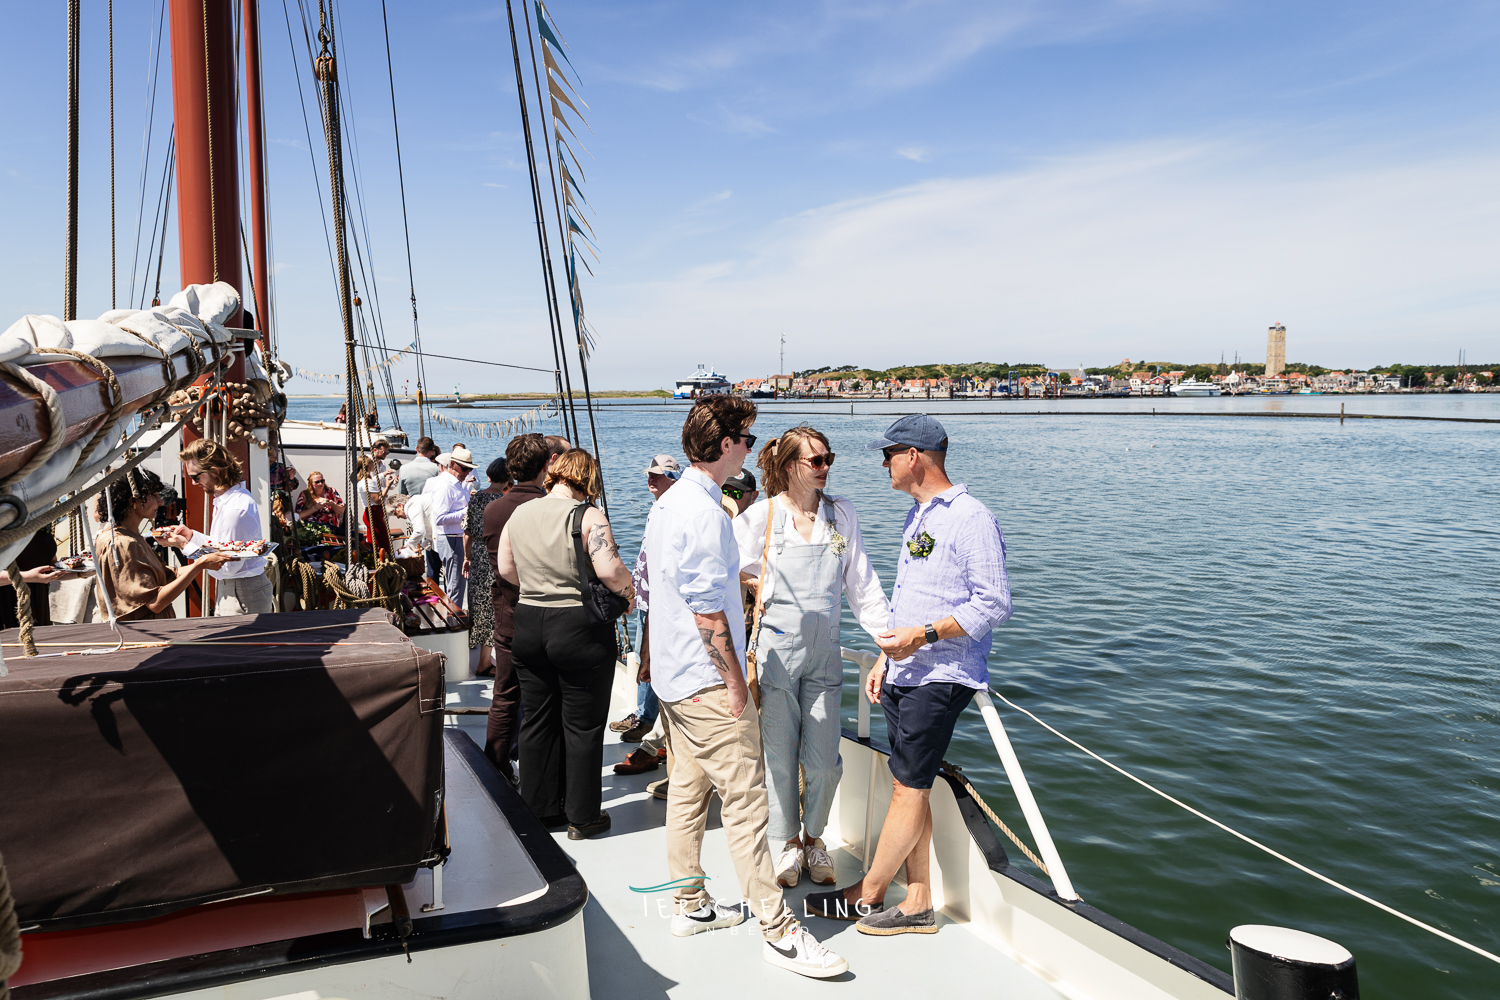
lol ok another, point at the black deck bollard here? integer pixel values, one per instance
(1277, 963)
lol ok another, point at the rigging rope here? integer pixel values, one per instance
(405, 226)
(23, 609)
(112, 280)
(57, 423)
(327, 71)
(153, 73)
(70, 261)
(170, 176)
(957, 774)
(1250, 840)
(554, 318)
(566, 237)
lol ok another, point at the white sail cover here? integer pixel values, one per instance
(196, 313)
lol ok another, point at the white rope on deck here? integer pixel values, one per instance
(1252, 841)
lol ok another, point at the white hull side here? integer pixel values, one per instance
(1069, 952)
(547, 964)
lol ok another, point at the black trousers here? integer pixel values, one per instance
(505, 708)
(566, 669)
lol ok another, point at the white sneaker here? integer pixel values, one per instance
(800, 952)
(709, 916)
(820, 865)
(789, 867)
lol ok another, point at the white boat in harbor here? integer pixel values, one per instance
(1192, 387)
(704, 382)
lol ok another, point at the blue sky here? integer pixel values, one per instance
(1071, 182)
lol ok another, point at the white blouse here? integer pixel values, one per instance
(861, 586)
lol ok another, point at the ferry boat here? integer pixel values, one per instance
(1192, 387)
(704, 382)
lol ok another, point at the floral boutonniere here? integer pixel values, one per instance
(921, 546)
(837, 542)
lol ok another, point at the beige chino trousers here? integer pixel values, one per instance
(715, 752)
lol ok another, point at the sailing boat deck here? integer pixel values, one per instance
(1042, 950)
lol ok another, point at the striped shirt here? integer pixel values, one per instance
(963, 576)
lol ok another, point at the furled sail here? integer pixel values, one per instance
(69, 389)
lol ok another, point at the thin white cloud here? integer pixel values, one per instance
(1176, 249)
(917, 154)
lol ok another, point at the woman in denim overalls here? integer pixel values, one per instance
(814, 554)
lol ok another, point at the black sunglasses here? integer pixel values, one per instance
(733, 493)
(818, 461)
(895, 450)
(749, 439)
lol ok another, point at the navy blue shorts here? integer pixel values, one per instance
(919, 722)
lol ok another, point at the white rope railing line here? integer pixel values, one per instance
(1252, 841)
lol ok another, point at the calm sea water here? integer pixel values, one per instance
(1291, 624)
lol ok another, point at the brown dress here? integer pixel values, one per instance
(133, 583)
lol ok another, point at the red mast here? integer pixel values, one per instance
(208, 192)
(208, 183)
(255, 142)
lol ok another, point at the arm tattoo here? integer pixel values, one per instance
(710, 637)
(601, 540)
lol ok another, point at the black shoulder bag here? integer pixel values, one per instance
(601, 604)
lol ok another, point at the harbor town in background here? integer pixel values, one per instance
(988, 380)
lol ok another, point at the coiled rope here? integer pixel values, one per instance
(10, 934)
(1251, 841)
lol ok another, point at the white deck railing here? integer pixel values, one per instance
(866, 662)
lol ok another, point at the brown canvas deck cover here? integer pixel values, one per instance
(298, 752)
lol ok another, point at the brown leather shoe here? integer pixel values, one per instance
(639, 761)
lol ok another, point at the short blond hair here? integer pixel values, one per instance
(579, 470)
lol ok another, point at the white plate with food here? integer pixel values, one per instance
(75, 564)
(242, 550)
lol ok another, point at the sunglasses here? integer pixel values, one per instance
(749, 439)
(895, 450)
(315, 482)
(733, 494)
(818, 461)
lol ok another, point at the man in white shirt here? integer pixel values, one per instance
(697, 652)
(242, 587)
(414, 474)
(449, 498)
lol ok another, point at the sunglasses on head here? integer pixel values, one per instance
(818, 461)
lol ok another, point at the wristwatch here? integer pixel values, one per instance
(932, 635)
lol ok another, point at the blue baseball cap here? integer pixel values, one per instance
(919, 430)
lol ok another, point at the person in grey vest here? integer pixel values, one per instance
(565, 662)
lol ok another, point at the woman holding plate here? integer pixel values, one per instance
(132, 577)
(807, 543)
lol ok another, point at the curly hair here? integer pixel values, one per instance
(777, 455)
(578, 469)
(125, 492)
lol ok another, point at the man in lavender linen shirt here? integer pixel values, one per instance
(951, 591)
